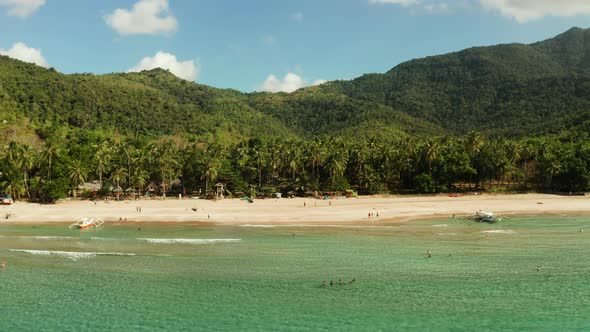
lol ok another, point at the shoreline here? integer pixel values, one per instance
(355, 211)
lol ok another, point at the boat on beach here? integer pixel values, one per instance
(485, 216)
(86, 223)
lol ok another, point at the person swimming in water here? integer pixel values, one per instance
(353, 280)
(428, 254)
(324, 283)
(340, 282)
(331, 282)
(538, 267)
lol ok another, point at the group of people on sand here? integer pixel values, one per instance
(138, 208)
(340, 282)
(372, 214)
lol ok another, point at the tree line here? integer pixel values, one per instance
(52, 169)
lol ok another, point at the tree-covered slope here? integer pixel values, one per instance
(151, 103)
(497, 88)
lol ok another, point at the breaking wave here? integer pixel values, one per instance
(500, 231)
(40, 237)
(189, 241)
(73, 255)
(315, 226)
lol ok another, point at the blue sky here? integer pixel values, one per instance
(268, 44)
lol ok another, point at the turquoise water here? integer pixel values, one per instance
(269, 279)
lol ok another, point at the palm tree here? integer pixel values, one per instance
(336, 163)
(430, 153)
(27, 158)
(50, 152)
(139, 179)
(119, 175)
(473, 145)
(102, 156)
(77, 174)
(316, 154)
(12, 183)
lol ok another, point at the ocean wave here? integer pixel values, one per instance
(440, 225)
(94, 238)
(316, 226)
(40, 237)
(500, 231)
(73, 255)
(189, 241)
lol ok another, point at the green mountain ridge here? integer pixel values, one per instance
(476, 88)
(509, 90)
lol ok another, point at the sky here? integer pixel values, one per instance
(268, 45)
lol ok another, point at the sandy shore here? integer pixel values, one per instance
(296, 211)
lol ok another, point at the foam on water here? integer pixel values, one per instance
(500, 231)
(315, 225)
(189, 241)
(73, 255)
(40, 237)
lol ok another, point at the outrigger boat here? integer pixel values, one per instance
(86, 223)
(484, 216)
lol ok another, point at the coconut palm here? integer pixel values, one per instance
(102, 156)
(77, 174)
(50, 152)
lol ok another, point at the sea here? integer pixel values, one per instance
(522, 274)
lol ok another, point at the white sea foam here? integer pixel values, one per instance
(94, 238)
(500, 231)
(189, 241)
(316, 226)
(39, 237)
(73, 255)
(53, 237)
(258, 226)
(440, 225)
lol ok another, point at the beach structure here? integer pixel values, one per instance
(6, 200)
(219, 190)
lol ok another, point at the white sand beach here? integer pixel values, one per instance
(296, 210)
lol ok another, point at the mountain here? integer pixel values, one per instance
(508, 90)
(155, 102)
(511, 89)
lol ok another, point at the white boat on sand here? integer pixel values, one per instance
(86, 223)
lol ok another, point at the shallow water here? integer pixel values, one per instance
(182, 277)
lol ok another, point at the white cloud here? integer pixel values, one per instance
(289, 83)
(148, 17)
(403, 3)
(527, 10)
(24, 53)
(183, 69)
(297, 17)
(21, 8)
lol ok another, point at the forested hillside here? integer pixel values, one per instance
(513, 90)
